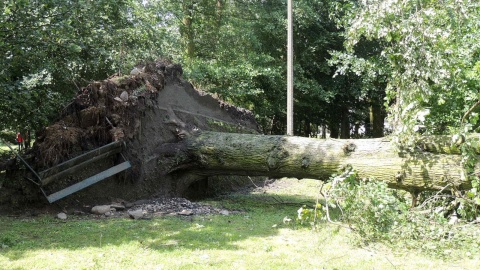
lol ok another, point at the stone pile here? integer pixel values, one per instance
(146, 209)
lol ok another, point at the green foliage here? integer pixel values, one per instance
(236, 49)
(379, 214)
(469, 201)
(7, 136)
(49, 48)
(428, 53)
(238, 56)
(427, 50)
(309, 216)
(370, 207)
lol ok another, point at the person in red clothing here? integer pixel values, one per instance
(19, 141)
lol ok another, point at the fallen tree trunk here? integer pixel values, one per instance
(157, 116)
(214, 153)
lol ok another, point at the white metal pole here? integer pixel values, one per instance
(290, 70)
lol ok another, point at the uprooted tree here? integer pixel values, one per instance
(214, 153)
(176, 137)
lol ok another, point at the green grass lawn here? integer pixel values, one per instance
(256, 238)
(5, 151)
(4, 148)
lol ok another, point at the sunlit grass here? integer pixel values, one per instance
(4, 148)
(254, 238)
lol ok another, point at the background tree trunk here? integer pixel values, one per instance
(214, 153)
(377, 117)
(345, 124)
(186, 29)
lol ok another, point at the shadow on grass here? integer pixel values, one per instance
(259, 216)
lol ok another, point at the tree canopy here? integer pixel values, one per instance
(51, 48)
(428, 53)
(354, 60)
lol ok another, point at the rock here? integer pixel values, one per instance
(159, 214)
(136, 214)
(140, 202)
(147, 209)
(137, 70)
(224, 212)
(150, 208)
(101, 209)
(286, 220)
(78, 212)
(117, 206)
(185, 212)
(118, 99)
(124, 96)
(129, 205)
(62, 216)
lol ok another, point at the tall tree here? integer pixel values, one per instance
(244, 60)
(430, 58)
(427, 54)
(50, 47)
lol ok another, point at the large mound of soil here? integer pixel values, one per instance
(152, 106)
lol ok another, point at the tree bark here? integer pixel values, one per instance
(186, 29)
(334, 129)
(214, 153)
(345, 124)
(377, 117)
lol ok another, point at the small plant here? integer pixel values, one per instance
(369, 207)
(469, 201)
(310, 216)
(378, 213)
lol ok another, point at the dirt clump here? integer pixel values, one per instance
(102, 112)
(150, 107)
